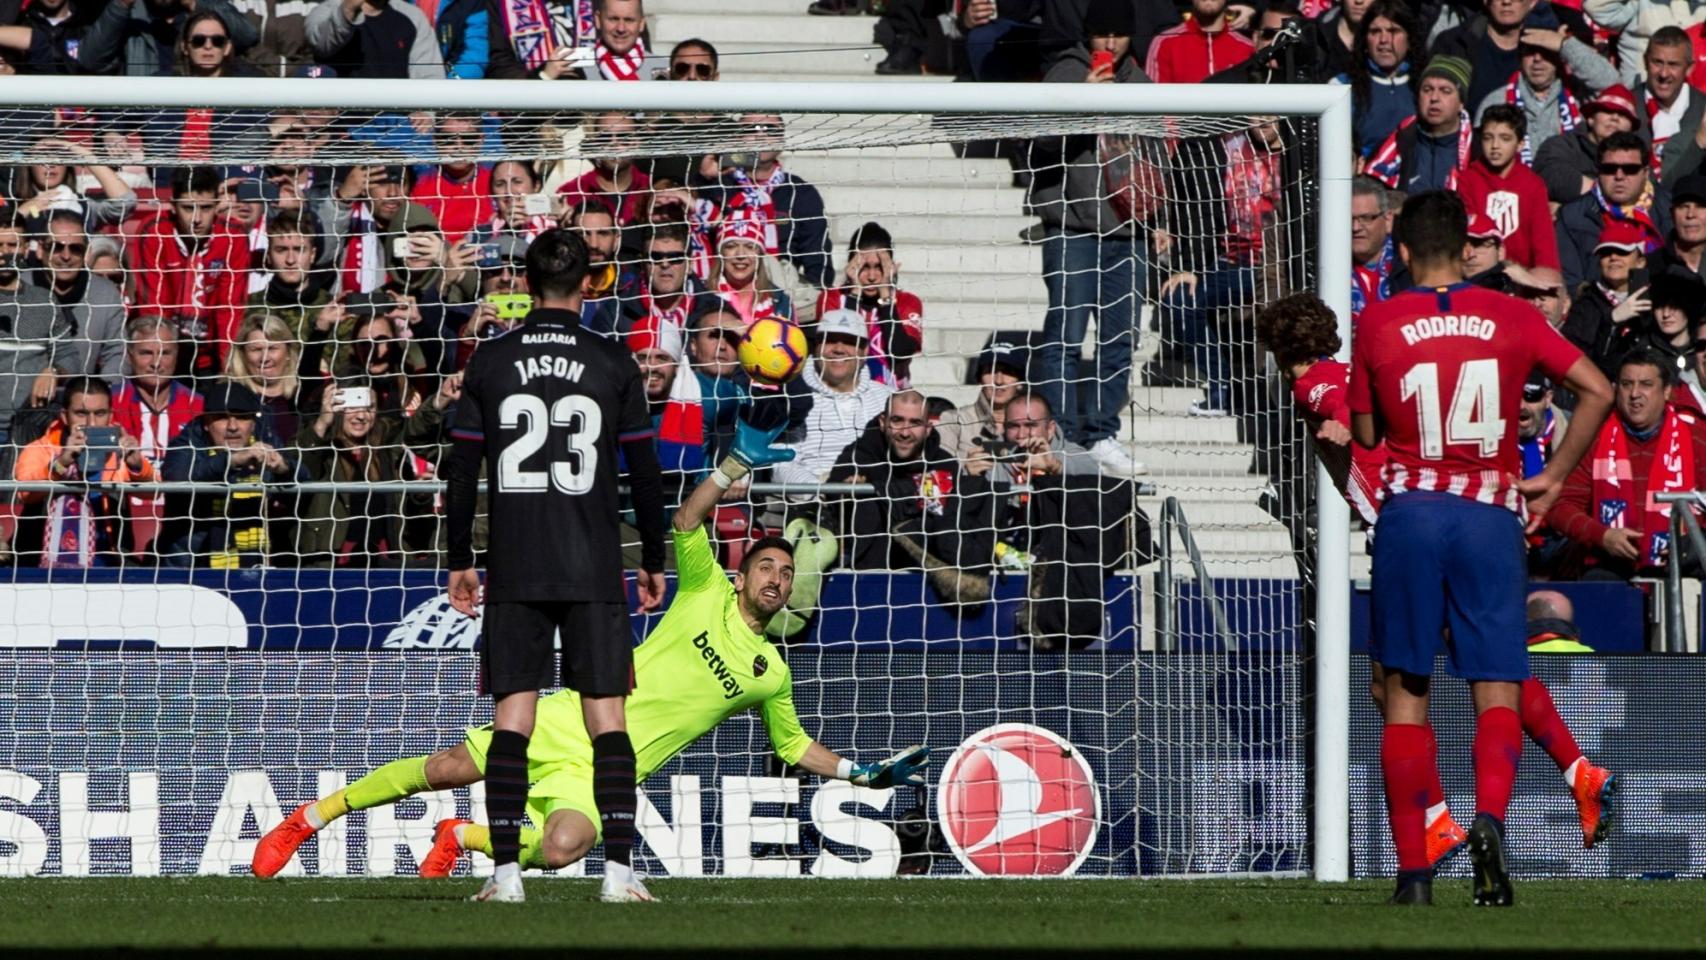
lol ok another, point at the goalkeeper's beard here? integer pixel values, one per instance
(765, 607)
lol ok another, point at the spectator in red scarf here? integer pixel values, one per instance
(620, 53)
(1569, 162)
(538, 39)
(1498, 184)
(663, 291)
(614, 181)
(738, 275)
(194, 268)
(1647, 446)
(1672, 109)
(459, 191)
(368, 199)
(1558, 73)
(894, 318)
(1624, 191)
(755, 178)
(672, 393)
(1203, 45)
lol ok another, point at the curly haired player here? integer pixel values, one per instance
(1303, 335)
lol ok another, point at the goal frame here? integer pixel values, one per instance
(1329, 105)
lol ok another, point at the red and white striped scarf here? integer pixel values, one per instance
(1569, 112)
(676, 314)
(536, 32)
(620, 66)
(701, 242)
(756, 195)
(763, 305)
(364, 267)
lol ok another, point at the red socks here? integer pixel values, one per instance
(1407, 758)
(1498, 747)
(1541, 722)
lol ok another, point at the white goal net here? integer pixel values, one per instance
(230, 347)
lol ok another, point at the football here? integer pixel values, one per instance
(773, 350)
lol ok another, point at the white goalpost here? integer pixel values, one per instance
(169, 700)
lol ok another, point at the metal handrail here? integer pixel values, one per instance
(1166, 627)
(1682, 523)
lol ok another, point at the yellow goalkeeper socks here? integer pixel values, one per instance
(388, 784)
(477, 836)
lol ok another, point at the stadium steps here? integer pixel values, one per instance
(957, 225)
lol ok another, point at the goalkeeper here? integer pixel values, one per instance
(706, 660)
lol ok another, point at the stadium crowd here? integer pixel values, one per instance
(302, 320)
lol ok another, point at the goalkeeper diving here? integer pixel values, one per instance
(705, 661)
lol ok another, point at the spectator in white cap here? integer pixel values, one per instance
(738, 275)
(844, 397)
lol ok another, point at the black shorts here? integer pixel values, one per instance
(516, 650)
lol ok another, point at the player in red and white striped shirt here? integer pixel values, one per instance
(1437, 372)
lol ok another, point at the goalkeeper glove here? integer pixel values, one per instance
(906, 766)
(753, 448)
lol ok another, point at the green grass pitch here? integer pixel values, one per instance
(918, 914)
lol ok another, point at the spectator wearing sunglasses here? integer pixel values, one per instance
(94, 306)
(1624, 191)
(139, 38)
(659, 296)
(693, 59)
(204, 52)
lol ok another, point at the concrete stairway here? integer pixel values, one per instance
(957, 224)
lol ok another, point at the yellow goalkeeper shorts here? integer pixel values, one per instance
(560, 780)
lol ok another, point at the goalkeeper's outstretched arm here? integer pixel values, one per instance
(754, 447)
(907, 766)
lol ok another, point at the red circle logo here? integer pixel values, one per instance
(1017, 800)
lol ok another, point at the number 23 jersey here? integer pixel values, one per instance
(551, 402)
(1443, 368)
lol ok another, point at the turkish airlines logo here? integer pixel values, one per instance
(1017, 800)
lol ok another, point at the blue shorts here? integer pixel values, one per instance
(1443, 562)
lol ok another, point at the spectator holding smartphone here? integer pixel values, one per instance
(82, 528)
(369, 197)
(966, 432)
(504, 296)
(36, 346)
(893, 317)
(518, 208)
(44, 189)
(353, 440)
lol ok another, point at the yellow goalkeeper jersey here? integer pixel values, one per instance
(700, 665)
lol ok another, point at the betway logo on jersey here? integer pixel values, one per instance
(1017, 800)
(718, 667)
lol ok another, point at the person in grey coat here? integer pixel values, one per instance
(1555, 67)
(138, 38)
(36, 347)
(92, 305)
(1570, 163)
